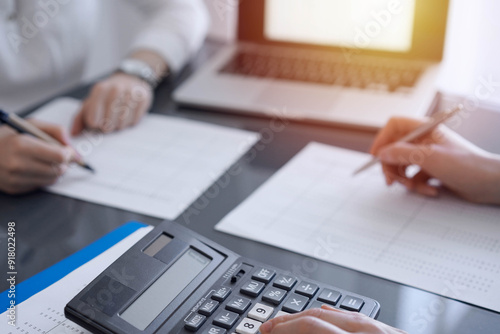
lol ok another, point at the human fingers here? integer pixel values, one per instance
(408, 154)
(348, 321)
(115, 106)
(465, 172)
(55, 131)
(434, 161)
(30, 167)
(366, 324)
(302, 324)
(126, 100)
(20, 173)
(78, 122)
(135, 105)
(395, 173)
(396, 128)
(420, 184)
(396, 158)
(33, 148)
(8, 186)
(137, 98)
(143, 95)
(93, 106)
(20, 184)
(124, 113)
(60, 134)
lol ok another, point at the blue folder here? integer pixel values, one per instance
(44, 279)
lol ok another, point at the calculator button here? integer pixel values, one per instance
(194, 322)
(307, 289)
(264, 275)
(252, 288)
(315, 304)
(214, 330)
(208, 308)
(248, 326)
(351, 303)
(221, 293)
(280, 313)
(274, 295)
(225, 319)
(295, 303)
(329, 296)
(260, 312)
(238, 304)
(285, 282)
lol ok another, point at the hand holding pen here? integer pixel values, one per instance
(443, 156)
(28, 162)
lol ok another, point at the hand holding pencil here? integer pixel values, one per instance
(28, 163)
(441, 154)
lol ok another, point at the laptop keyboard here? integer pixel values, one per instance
(379, 75)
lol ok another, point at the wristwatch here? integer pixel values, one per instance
(140, 69)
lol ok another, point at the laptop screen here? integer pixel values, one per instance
(383, 25)
(403, 29)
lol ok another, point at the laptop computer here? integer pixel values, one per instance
(353, 62)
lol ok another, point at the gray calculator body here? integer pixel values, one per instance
(176, 281)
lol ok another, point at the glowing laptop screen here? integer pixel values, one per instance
(385, 25)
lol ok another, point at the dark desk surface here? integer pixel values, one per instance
(51, 227)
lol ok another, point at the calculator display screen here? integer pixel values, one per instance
(164, 290)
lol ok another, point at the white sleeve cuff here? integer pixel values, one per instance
(176, 32)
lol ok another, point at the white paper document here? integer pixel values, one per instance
(157, 168)
(44, 311)
(314, 206)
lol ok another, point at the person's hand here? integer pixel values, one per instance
(28, 163)
(326, 320)
(457, 164)
(113, 104)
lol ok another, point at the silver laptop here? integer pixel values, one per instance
(338, 61)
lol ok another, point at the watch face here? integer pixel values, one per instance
(139, 69)
(134, 66)
(127, 66)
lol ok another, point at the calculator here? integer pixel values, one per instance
(176, 281)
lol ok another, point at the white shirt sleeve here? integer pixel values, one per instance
(173, 28)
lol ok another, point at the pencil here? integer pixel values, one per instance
(22, 126)
(422, 130)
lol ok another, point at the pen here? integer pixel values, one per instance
(21, 126)
(418, 132)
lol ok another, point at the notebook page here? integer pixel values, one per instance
(157, 168)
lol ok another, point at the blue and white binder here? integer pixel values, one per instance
(49, 276)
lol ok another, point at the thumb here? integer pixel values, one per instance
(407, 154)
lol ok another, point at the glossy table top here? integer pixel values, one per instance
(50, 227)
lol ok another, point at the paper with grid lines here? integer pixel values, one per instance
(314, 206)
(158, 167)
